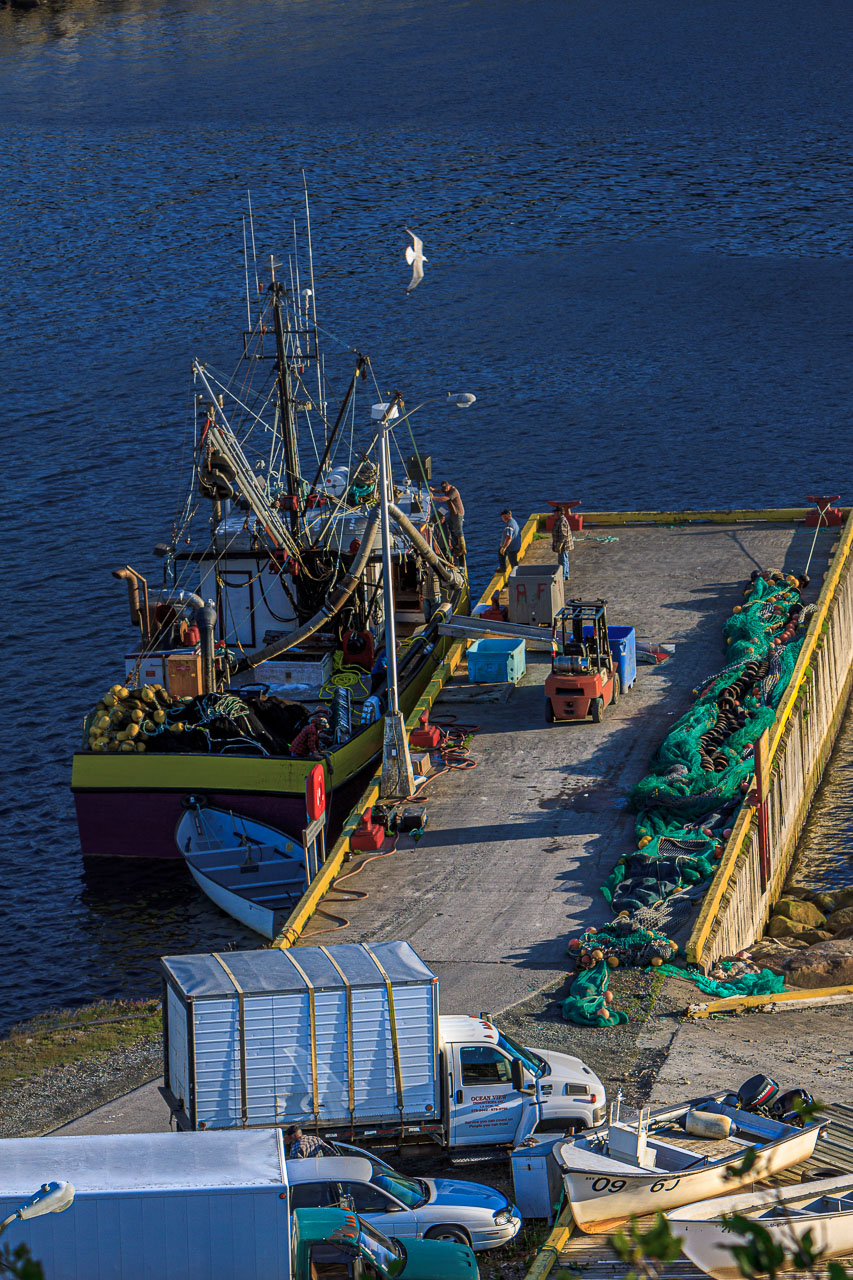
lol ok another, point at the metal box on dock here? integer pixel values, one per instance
(200, 1205)
(623, 647)
(265, 1037)
(535, 593)
(496, 660)
(536, 1177)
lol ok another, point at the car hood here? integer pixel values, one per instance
(429, 1259)
(473, 1195)
(564, 1066)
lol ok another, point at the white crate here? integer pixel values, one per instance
(152, 669)
(299, 669)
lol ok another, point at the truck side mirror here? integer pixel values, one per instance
(516, 1072)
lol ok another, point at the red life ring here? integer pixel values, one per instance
(315, 793)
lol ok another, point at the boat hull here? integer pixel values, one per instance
(129, 805)
(707, 1242)
(600, 1203)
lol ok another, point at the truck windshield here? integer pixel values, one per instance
(388, 1255)
(531, 1060)
(412, 1193)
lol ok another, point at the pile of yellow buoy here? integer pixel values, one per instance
(125, 719)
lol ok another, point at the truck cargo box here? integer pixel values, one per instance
(343, 1035)
(210, 1206)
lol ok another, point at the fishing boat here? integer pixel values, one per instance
(824, 1208)
(649, 1160)
(264, 648)
(249, 870)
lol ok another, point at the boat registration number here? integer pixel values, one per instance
(618, 1184)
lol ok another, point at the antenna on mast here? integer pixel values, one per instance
(313, 290)
(246, 265)
(254, 251)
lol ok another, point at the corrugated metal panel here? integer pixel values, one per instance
(179, 1074)
(226, 1235)
(217, 1062)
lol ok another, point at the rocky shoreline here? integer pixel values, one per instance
(809, 938)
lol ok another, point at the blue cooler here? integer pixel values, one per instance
(496, 660)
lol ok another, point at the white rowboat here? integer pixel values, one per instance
(642, 1164)
(825, 1208)
(251, 871)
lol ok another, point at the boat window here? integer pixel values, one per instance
(531, 1060)
(483, 1064)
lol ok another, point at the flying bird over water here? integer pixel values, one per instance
(415, 256)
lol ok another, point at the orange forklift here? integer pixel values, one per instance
(583, 679)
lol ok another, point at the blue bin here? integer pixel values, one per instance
(496, 660)
(623, 646)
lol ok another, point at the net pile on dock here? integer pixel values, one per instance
(700, 775)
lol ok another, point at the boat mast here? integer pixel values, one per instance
(285, 402)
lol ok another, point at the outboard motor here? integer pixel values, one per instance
(757, 1093)
(784, 1107)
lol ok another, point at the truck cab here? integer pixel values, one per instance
(500, 1090)
(333, 1244)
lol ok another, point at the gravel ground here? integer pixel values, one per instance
(59, 1094)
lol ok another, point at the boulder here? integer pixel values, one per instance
(833, 899)
(840, 919)
(802, 895)
(783, 927)
(800, 912)
(811, 936)
(827, 964)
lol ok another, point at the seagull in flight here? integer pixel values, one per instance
(415, 257)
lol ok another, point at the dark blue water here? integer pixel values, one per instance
(638, 225)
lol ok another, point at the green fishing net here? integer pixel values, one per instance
(585, 1003)
(748, 984)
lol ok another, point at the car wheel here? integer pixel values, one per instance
(456, 1234)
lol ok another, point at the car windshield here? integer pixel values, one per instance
(389, 1255)
(531, 1060)
(410, 1191)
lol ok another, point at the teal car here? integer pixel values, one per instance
(333, 1244)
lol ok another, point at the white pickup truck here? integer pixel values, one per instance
(347, 1041)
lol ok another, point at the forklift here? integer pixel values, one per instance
(583, 679)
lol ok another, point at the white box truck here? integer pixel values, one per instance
(192, 1206)
(210, 1206)
(347, 1040)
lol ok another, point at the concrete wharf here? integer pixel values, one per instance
(514, 852)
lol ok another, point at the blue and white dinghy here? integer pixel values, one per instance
(251, 871)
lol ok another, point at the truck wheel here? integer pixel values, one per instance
(457, 1234)
(597, 710)
(549, 711)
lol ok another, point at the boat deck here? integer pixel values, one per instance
(592, 1256)
(514, 852)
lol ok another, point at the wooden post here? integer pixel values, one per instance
(762, 787)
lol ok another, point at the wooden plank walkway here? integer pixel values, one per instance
(593, 1259)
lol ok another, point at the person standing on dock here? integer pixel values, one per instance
(562, 541)
(455, 517)
(511, 542)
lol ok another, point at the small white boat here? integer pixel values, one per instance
(825, 1208)
(645, 1162)
(251, 871)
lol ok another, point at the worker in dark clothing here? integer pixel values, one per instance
(511, 541)
(562, 541)
(454, 518)
(305, 1145)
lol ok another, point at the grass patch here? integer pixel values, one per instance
(61, 1037)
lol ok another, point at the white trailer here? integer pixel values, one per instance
(158, 1206)
(347, 1040)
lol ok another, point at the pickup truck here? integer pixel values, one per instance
(331, 1244)
(347, 1041)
